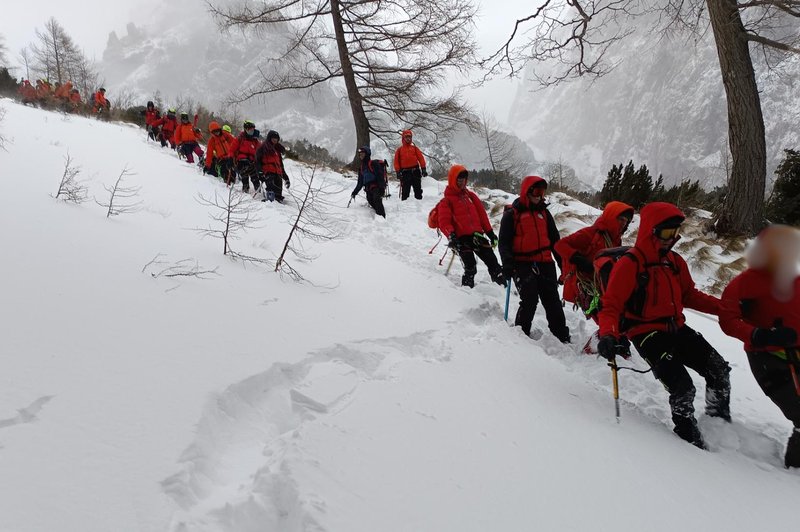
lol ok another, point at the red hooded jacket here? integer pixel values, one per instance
(748, 303)
(528, 233)
(408, 155)
(669, 286)
(461, 212)
(604, 233)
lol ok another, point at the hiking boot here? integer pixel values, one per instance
(687, 430)
(270, 196)
(499, 279)
(792, 458)
(468, 280)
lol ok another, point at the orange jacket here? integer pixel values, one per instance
(219, 147)
(63, 91)
(75, 97)
(408, 156)
(100, 100)
(185, 133)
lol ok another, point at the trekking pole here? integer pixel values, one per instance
(615, 383)
(508, 298)
(452, 258)
(349, 202)
(435, 245)
(443, 256)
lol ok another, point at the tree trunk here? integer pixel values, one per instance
(359, 116)
(742, 211)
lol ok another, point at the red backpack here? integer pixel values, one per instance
(433, 216)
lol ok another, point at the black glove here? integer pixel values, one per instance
(286, 181)
(424, 172)
(492, 238)
(508, 270)
(582, 264)
(607, 347)
(397, 175)
(777, 336)
(452, 241)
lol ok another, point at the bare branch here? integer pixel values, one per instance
(120, 196)
(70, 189)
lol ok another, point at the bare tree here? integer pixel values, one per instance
(26, 60)
(502, 152)
(312, 222)
(56, 57)
(577, 34)
(70, 189)
(231, 213)
(392, 57)
(120, 199)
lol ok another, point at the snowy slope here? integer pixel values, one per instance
(381, 397)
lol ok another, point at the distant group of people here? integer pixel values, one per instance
(64, 96)
(637, 294)
(226, 156)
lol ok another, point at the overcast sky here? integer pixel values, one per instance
(89, 22)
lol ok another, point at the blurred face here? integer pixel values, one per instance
(461, 181)
(624, 222)
(217, 132)
(407, 138)
(361, 155)
(275, 140)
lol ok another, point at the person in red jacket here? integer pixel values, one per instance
(578, 250)
(463, 219)
(186, 136)
(151, 116)
(101, 104)
(219, 154)
(244, 153)
(409, 165)
(528, 236)
(761, 307)
(167, 125)
(646, 294)
(269, 163)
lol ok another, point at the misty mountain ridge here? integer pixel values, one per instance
(663, 105)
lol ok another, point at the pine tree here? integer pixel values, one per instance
(784, 203)
(612, 186)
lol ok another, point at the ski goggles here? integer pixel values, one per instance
(666, 233)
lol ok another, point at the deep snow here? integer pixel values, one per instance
(381, 396)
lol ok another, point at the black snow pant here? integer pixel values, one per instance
(410, 177)
(274, 184)
(375, 199)
(772, 373)
(537, 281)
(467, 251)
(247, 171)
(669, 354)
(224, 170)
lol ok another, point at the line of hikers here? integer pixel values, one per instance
(64, 96)
(637, 294)
(226, 156)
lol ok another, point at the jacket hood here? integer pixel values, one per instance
(527, 183)
(453, 174)
(608, 220)
(273, 135)
(367, 150)
(403, 135)
(652, 215)
(213, 126)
